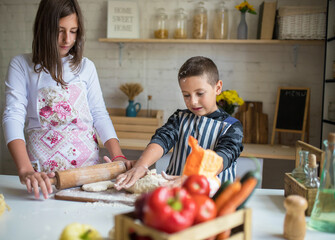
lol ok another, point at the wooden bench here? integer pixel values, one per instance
(135, 133)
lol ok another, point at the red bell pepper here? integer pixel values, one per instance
(205, 208)
(197, 184)
(169, 209)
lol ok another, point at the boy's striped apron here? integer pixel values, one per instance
(207, 132)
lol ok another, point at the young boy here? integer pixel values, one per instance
(212, 127)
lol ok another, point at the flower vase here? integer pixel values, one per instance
(242, 29)
(133, 109)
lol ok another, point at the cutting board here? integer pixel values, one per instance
(109, 196)
(254, 121)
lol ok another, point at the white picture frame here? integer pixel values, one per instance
(122, 19)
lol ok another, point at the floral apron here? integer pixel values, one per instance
(66, 138)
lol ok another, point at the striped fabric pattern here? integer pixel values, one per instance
(206, 131)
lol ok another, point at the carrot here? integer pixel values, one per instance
(227, 194)
(230, 207)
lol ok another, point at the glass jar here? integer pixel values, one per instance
(180, 30)
(220, 22)
(200, 22)
(331, 111)
(161, 29)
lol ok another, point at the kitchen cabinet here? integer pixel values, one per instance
(328, 123)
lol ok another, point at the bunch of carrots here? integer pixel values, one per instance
(233, 195)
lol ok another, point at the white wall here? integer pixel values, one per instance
(255, 71)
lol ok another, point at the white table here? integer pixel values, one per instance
(45, 219)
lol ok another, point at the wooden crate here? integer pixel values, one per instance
(124, 223)
(292, 186)
(139, 127)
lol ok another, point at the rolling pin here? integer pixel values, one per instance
(79, 176)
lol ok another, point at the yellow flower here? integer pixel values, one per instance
(230, 97)
(245, 7)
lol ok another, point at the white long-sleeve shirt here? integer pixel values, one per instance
(22, 85)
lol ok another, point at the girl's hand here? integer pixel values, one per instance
(127, 179)
(35, 181)
(129, 163)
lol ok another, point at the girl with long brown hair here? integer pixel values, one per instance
(54, 103)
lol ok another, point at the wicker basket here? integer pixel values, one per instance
(301, 22)
(292, 186)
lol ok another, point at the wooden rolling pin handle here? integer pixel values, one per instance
(53, 181)
(84, 175)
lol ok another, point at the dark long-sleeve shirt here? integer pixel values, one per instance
(217, 131)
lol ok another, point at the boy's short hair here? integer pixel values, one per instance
(197, 66)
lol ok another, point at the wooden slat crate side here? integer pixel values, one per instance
(320, 154)
(247, 224)
(135, 121)
(135, 128)
(197, 232)
(292, 186)
(119, 223)
(121, 112)
(159, 116)
(238, 236)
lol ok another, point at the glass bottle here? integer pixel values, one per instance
(180, 30)
(200, 22)
(323, 213)
(161, 30)
(312, 180)
(220, 23)
(299, 173)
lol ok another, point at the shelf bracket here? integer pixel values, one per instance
(295, 55)
(121, 46)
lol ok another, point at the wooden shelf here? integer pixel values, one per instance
(214, 41)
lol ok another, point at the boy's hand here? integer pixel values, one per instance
(173, 181)
(127, 179)
(129, 163)
(35, 181)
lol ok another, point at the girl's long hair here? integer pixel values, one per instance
(46, 56)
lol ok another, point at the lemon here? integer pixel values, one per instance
(78, 231)
(3, 205)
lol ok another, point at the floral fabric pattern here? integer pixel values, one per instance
(55, 109)
(66, 138)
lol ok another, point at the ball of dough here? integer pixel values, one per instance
(147, 183)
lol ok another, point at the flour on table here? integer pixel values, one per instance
(98, 186)
(146, 184)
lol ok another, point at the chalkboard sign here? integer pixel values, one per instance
(291, 111)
